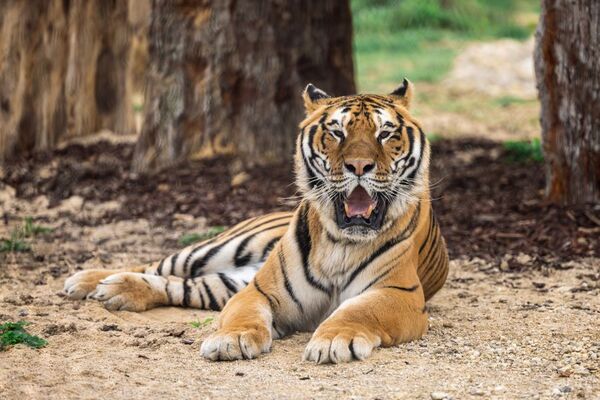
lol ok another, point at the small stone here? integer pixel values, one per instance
(476, 392)
(439, 396)
(23, 313)
(240, 179)
(565, 372)
(187, 341)
(109, 327)
(239, 374)
(565, 389)
(581, 370)
(175, 332)
(499, 389)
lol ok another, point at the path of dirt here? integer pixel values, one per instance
(493, 335)
(518, 318)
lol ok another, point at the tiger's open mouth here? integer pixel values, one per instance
(359, 209)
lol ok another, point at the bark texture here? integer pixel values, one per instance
(33, 48)
(226, 76)
(567, 63)
(63, 71)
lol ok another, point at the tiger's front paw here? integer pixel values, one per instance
(83, 283)
(131, 291)
(338, 345)
(236, 344)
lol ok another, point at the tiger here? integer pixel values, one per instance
(354, 263)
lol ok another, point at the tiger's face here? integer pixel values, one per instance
(361, 160)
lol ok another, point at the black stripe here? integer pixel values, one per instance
(228, 283)
(351, 347)
(173, 262)
(286, 281)
(432, 247)
(410, 228)
(271, 303)
(305, 245)
(213, 305)
(242, 260)
(238, 227)
(269, 247)
(169, 297)
(201, 262)
(202, 303)
(387, 271)
(160, 267)
(404, 289)
(409, 181)
(428, 231)
(439, 272)
(313, 182)
(431, 265)
(186, 293)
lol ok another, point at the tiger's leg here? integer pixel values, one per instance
(280, 299)
(388, 313)
(247, 243)
(131, 291)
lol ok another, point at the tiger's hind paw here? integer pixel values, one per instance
(83, 283)
(131, 291)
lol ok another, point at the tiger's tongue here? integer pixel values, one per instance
(359, 203)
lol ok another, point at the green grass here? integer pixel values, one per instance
(190, 238)
(30, 229)
(12, 333)
(14, 244)
(17, 241)
(201, 324)
(418, 39)
(524, 151)
(434, 137)
(506, 101)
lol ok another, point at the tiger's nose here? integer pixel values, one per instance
(359, 166)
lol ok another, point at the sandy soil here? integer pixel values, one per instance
(532, 334)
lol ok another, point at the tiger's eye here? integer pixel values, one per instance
(384, 135)
(337, 134)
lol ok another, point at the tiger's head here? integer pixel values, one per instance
(361, 160)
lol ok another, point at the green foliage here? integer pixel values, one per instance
(506, 101)
(201, 324)
(190, 238)
(475, 18)
(434, 137)
(419, 38)
(524, 151)
(17, 242)
(14, 244)
(12, 333)
(30, 229)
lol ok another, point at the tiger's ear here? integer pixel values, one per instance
(403, 93)
(313, 98)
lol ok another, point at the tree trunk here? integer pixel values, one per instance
(226, 76)
(33, 57)
(96, 88)
(63, 67)
(567, 62)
